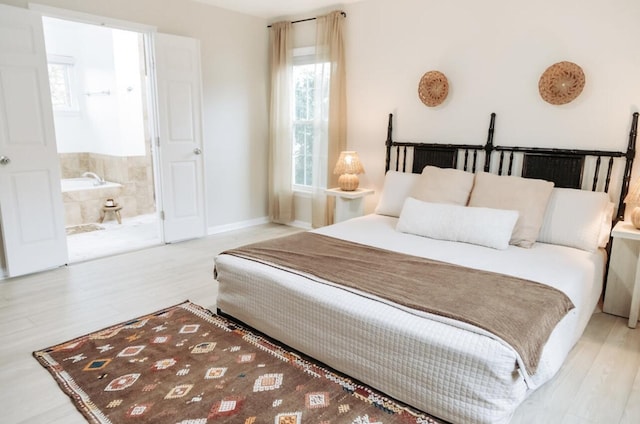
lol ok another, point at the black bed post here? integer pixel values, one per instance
(488, 148)
(388, 144)
(631, 154)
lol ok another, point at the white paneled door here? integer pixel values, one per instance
(30, 197)
(180, 132)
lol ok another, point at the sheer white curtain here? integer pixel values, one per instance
(331, 104)
(280, 148)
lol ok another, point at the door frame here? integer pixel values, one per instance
(87, 18)
(148, 32)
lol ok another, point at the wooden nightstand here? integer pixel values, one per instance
(349, 204)
(622, 295)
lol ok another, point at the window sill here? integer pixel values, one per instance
(302, 193)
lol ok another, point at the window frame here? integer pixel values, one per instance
(69, 64)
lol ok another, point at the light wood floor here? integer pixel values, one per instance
(600, 382)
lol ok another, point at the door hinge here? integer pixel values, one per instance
(158, 141)
(162, 215)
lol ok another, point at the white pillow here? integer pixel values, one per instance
(527, 196)
(576, 218)
(443, 185)
(397, 186)
(481, 226)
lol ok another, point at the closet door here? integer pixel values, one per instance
(31, 207)
(181, 155)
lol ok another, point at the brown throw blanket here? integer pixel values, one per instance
(522, 313)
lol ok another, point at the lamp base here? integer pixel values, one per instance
(635, 217)
(348, 182)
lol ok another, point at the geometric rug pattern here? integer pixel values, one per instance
(186, 365)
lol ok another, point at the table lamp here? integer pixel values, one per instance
(348, 167)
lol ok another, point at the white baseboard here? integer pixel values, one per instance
(237, 225)
(301, 224)
(252, 223)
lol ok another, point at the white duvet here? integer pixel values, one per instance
(454, 372)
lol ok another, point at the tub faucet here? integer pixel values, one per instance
(99, 180)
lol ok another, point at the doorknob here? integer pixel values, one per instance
(197, 151)
(4, 160)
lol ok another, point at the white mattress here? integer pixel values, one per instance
(456, 373)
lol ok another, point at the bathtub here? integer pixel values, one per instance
(82, 183)
(83, 201)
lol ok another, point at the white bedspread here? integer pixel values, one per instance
(459, 375)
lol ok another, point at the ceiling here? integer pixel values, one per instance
(270, 9)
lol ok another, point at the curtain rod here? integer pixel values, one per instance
(309, 19)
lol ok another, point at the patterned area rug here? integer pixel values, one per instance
(186, 365)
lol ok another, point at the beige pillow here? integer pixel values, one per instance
(443, 185)
(527, 196)
(397, 187)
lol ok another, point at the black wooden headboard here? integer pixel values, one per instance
(569, 168)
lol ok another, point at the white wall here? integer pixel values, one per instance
(72, 131)
(234, 74)
(493, 53)
(105, 60)
(130, 117)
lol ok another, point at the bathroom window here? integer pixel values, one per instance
(62, 83)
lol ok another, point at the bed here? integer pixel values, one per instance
(451, 368)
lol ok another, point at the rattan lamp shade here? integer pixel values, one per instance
(348, 167)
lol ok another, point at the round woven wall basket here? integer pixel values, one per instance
(433, 88)
(561, 83)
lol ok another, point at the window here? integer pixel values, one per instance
(303, 122)
(306, 119)
(61, 82)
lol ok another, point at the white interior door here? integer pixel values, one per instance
(31, 207)
(180, 133)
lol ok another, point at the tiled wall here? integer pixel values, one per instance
(136, 195)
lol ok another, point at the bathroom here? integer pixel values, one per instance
(98, 90)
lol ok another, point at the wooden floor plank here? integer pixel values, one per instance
(572, 419)
(631, 413)
(605, 390)
(537, 408)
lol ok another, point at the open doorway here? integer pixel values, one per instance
(32, 215)
(103, 131)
